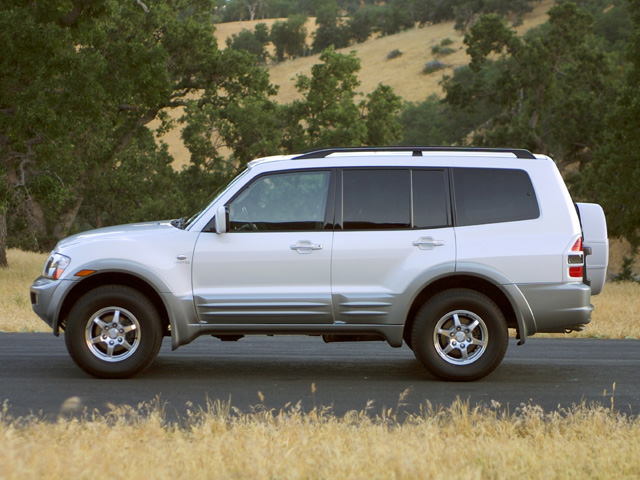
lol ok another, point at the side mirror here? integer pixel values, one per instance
(221, 220)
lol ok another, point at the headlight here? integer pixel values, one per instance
(55, 266)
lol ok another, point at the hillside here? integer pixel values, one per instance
(403, 74)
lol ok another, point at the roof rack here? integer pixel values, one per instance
(416, 151)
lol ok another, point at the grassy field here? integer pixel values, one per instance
(461, 441)
(616, 312)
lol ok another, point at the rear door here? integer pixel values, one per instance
(393, 234)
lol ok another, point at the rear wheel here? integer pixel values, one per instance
(113, 331)
(460, 334)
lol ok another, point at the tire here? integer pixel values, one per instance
(113, 331)
(449, 350)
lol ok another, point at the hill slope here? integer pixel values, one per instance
(403, 74)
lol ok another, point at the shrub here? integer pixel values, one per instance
(433, 66)
(445, 51)
(394, 54)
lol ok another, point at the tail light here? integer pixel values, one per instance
(576, 259)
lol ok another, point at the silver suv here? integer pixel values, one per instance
(444, 249)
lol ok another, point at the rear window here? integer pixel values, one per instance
(486, 195)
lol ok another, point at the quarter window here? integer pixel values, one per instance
(487, 195)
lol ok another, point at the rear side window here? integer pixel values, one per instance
(394, 199)
(430, 206)
(487, 195)
(376, 199)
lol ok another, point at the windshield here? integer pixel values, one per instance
(185, 222)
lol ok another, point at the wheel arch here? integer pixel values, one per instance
(471, 282)
(114, 278)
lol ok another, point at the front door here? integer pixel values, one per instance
(274, 264)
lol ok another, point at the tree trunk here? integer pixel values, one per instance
(3, 239)
(66, 220)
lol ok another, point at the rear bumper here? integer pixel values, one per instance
(557, 308)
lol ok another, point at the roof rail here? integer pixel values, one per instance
(417, 151)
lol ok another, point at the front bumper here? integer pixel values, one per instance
(46, 299)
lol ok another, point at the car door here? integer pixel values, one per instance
(273, 266)
(394, 235)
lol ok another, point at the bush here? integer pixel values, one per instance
(394, 54)
(445, 51)
(446, 42)
(433, 66)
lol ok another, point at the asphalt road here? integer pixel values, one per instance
(37, 376)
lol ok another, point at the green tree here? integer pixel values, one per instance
(395, 17)
(361, 23)
(329, 114)
(330, 29)
(612, 178)
(289, 37)
(252, 42)
(434, 122)
(381, 116)
(82, 81)
(552, 87)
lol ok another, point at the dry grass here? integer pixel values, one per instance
(615, 316)
(16, 314)
(460, 441)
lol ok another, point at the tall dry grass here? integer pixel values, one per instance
(16, 314)
(461, 441)
(616, 314)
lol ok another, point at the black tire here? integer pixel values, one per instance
(460, 335)
(113, 331)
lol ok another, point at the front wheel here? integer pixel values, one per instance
(460, 334)
(113, 331)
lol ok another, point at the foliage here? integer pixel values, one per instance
(382, 107)
(361, 23)
(434, 122)
(252, 42)
(552, 87)
(626, 274)
(328, 114)
(614, 174)
(466, 11)
(331, 31)
(395, 18)
(289, 37)
(82, 82)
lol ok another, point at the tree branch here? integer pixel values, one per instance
(144, 7)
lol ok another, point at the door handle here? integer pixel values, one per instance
(427, 243)
(305, 247)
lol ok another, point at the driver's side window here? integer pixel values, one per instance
(283, 202)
